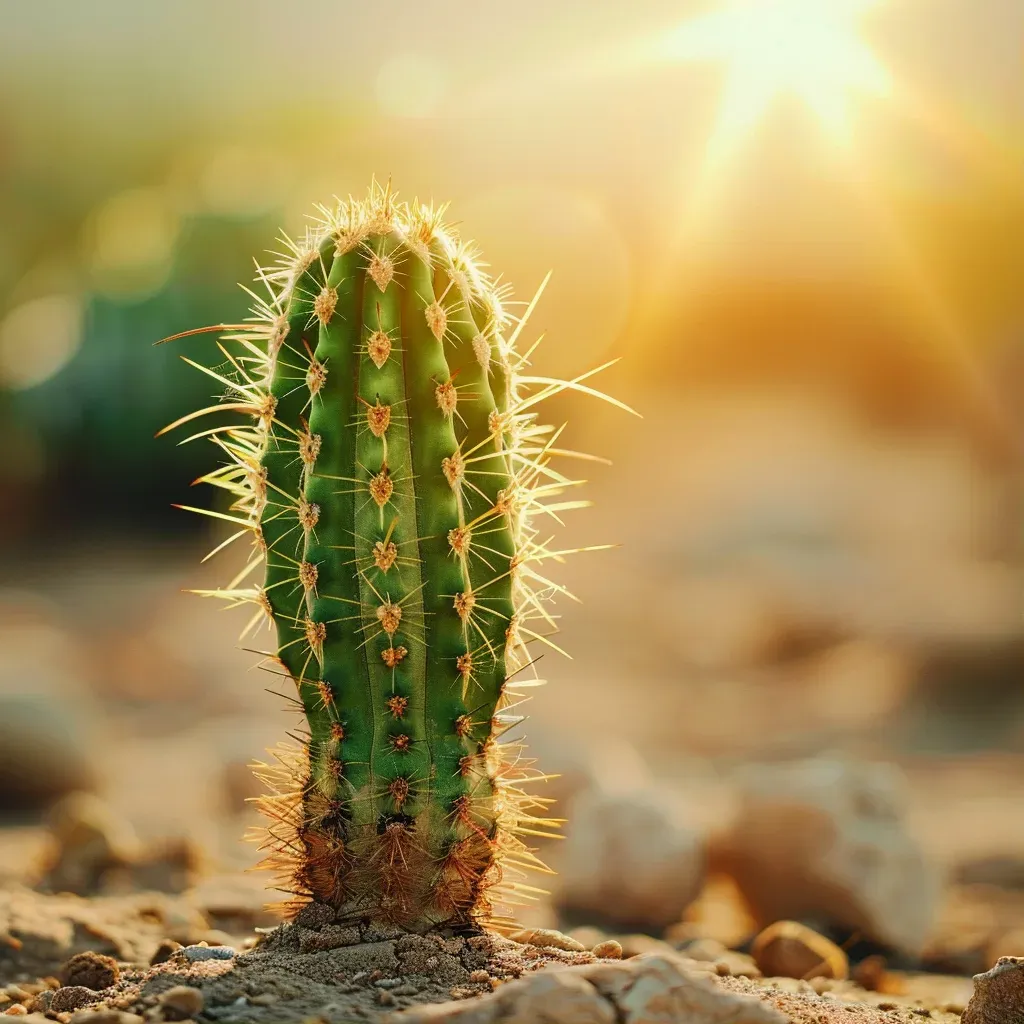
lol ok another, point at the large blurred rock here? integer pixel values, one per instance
(571, 765)
(93, 849)
(826, 841)
(42, 707)
(631, 859)
(42, 755)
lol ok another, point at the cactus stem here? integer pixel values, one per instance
(391, 463)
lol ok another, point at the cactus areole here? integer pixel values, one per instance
(391, 474)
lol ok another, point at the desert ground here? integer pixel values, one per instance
(793, 696)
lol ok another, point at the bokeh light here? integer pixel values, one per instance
(129, 243)
(240, 181)
(525, 231)
(38, 339)
(410, 85)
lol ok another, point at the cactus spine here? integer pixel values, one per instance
(390, 471)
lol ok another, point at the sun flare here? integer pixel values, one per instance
(810, 50)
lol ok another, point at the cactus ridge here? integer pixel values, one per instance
(391, 474)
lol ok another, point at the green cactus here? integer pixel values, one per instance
(390, 472)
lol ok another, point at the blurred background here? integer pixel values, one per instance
(799, 226)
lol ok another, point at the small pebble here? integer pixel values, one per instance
(264, 999)
(195, 953)
(385, 998)
(41, 1003)
(548, 938)
(608, 950)
(788, 949)
(870, 973)
(71, 997)
(90, 970)
(181, 1002)
(479, 976)
(17, 1010)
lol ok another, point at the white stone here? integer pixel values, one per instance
(647, 990)
(630, 859)
(827, 841)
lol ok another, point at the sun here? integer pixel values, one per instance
(808, 49)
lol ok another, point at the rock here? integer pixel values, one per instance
(998, 994)
(169, 865)
(40, 1003)
(658, 990)
(629, 860)
(609, 949)
(200, 952)
(870, 973)
(1004, 871)
(548, 938)
(89, 841)
(826, 840)
(315, 916)
(548, 997)
(181, 1002)
(788, 949)
(708, 950)
(726, 962)
(44, 707)
(648, 990)
(91, 970)
(71, 997)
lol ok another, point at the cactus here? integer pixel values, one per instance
(390, 472)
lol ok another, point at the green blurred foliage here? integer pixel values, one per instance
(83, 440)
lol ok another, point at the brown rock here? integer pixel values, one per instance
(89, 841)
(71, 997)
(998, 994)
(870, 973)
(827, 839)
(788, 949)
(44, 727)
(90, 970)
(608, 950)
(181, 1002)
(41, 1001)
